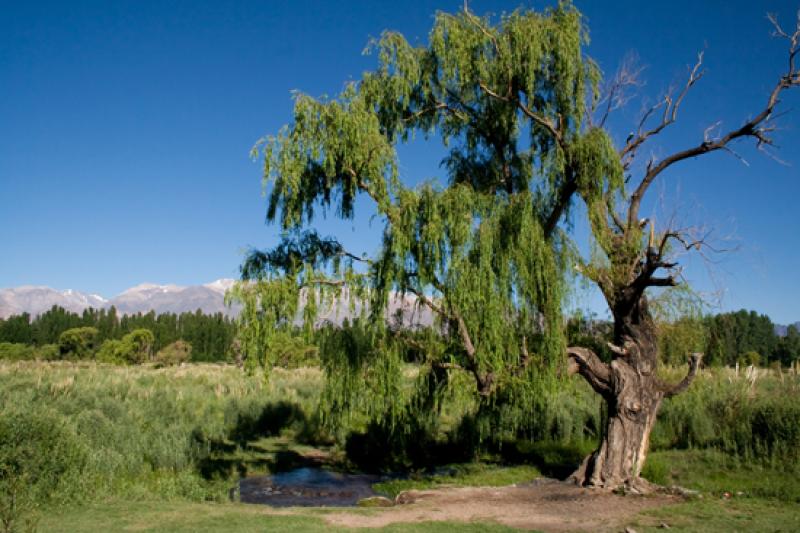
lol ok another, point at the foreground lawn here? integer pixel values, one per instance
(192, 517)
(757, 499)
(719, 515)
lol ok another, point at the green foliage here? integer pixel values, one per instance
(86, 432)
(210, 335)
(788, 348)
(16, 351)
(40, 459)
(174, 354)
(680, 338)
(134, 348)
(754, 415)
(138, 345)
(749, 358)
(112, 351)
(17, 329)
(77, 343)
(732, 335)
(480, 249)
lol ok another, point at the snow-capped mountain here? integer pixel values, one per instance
(209, 298)
(141, 298)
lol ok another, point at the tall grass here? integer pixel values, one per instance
(81, 431)
(753, 414)
(136, 432)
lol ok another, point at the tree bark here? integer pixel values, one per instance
(633, 394)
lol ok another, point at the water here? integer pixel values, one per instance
(307, 487)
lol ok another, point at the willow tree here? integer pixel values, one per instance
(483, 251)
(487, 249)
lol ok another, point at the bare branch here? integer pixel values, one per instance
(669, 281)
(616, 94)
(694, 364)
(621, 351)
(463, 332)
(757, 127)
(669, 116)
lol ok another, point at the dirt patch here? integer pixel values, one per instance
(546, 505)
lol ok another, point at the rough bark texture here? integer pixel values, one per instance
(633, 394)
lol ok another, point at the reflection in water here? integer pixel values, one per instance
(307, 487)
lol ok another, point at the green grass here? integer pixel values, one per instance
(714, 473)
(723, 516)
(187, 517)
(734, 494)
(169, 442)
(463, 475)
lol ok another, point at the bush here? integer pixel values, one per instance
(751, 358)
(112, 351)
(40, 458)
(77, 343)
(139, 345)
(48, 352)
(135, 347)
(11, 351)
(176, 353)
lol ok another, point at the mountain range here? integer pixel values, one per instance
(781, 330)
(209, 298)
(139, 299)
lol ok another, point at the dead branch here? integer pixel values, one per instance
(694, 364)
(758, 127)
(617, 93)
(671, 105)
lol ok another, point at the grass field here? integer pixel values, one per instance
(88, 447)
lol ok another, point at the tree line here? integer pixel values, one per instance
(210, 335)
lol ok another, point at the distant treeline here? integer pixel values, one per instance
(209, 335)
(743, 337)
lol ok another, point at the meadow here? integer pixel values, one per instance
(87, 444)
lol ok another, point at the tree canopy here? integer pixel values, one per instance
(483, 250)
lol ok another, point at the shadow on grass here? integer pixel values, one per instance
(553, 459)
(241, 450)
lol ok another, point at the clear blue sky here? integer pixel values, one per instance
(125, 129)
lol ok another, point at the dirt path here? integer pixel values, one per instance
(547, 505)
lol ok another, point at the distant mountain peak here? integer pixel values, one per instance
(145, 297)
(221, 285)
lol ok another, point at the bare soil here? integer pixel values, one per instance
(545, 505)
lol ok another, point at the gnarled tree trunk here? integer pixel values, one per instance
(633, 394)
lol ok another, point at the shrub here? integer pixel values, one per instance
(39, 459)
(176, 353)
(48, 352)
(135, 347)
(112, 351)
(751, 358)
(77, 343)
(139, 345)
(12, 351)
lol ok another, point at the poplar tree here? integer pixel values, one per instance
(517, 106)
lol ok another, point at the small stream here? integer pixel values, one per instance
(307, 487)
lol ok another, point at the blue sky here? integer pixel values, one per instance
(125, 129)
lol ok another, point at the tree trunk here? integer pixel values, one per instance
(633, 394)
